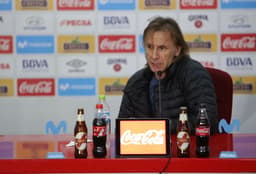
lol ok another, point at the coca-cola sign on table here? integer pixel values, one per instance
(36, 87)
(198, 4)
(116, 43)
(143, 137)
(238, 42)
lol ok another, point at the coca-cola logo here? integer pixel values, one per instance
(99, 131)
(75, 4)
(238, 42)
(198, 4)
(143, 138)
(36, 87)
(113, 44)
(202, 131)
(5, 44)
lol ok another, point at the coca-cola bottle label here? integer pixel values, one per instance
(99, 131)
(80, 140)
(202, 131)
(183, 140)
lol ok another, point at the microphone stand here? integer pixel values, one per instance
(159, 73)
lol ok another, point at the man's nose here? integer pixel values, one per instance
(155, 54)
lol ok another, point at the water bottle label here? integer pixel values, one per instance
(202, 131)
(106, 115)
(99, 131)
(80, 140)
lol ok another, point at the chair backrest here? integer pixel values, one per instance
(224, 92)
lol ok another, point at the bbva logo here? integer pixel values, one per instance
(51, 127)
(229, 128)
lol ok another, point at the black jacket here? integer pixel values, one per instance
(187, 83)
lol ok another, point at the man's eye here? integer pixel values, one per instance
(149, 46)
(162, 48)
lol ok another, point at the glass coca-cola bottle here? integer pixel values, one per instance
(202, 133)
(80, 133)
(99, 133)
(183, 134)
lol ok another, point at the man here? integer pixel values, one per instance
(170, 79)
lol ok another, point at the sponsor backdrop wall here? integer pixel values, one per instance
(58, 55)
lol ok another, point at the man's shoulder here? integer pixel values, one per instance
(191, 65)
(139, 78)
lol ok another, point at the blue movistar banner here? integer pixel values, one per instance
(5, 4)
(77, 86)
(140, 43)
(116, 4)
(34, 44)
(233, 4)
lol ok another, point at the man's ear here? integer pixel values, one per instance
(178, 50)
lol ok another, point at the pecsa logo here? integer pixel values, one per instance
(6, 45)
(209, 64)
(75, 4)
(238, 42)
(198, 4)
(117, 44)
(36, 87)
(4, 66)
(75, 22)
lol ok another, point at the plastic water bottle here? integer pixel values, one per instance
(106, 115)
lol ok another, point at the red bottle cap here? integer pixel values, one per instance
(99, 106)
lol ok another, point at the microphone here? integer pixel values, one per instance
(159, 73)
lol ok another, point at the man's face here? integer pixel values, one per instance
(160, 50)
